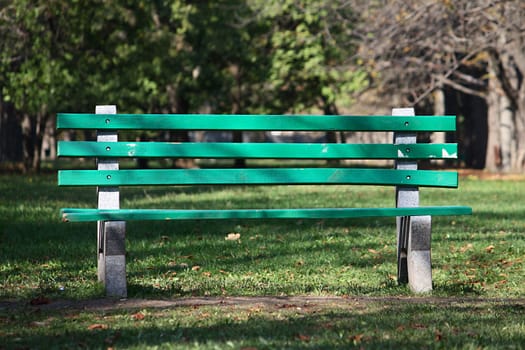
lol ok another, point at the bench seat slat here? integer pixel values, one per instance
(254, 122)
(79, 215)
(269, 176)
(255, 150)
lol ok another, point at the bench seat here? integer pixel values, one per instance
(84, 215)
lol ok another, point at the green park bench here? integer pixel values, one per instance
(413, 220)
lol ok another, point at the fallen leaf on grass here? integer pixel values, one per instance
(196, 268)
(302, 337)
(490, 248)
(438, 337)
(139, 316)
(500, 283)
(233, 237)
(98, 326)
(255, 309)
(356, 339)
(466, 247)
(205, 315)
(419, 326)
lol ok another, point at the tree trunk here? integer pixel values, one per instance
(179, 105)
(493, 160)
(507, 133)
(519, 164)
(439, 109)
(39, 130)
(475, 111)
(32, 133)
(333, 136)
(10, 135)
(511, 112)
(237, 108)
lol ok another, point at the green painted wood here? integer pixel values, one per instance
(270, 176)
(255, 150)
(78, 215)
(255, 122)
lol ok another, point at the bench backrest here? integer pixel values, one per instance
(107, 150)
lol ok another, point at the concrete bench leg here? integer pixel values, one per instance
(413, 253)
(403, 232)
(419, 266)
(112, 257)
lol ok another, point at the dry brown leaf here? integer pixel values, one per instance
(139, 316)
(303, 337)
(419, 326)
(233, 237)
(97, 326)
(356, 338)
(490, 248)
(196, 268)
(466, 247)
(438, 336)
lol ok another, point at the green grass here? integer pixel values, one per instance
(479, 257)
(352, 324)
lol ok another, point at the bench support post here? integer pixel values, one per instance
(411, 228)
(419, 265)
(110, 234)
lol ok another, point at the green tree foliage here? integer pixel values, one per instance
(311, 50)
(71, 55)
(230, 58)
(242, 56)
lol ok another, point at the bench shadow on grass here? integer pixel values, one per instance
(71, 248)
(370, 325)
(37, 241)
(354, 251)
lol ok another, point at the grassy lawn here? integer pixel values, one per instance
(478, 266)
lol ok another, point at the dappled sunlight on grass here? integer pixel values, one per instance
(481, 255)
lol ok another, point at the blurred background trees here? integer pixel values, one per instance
(472, 52)
(264, 56)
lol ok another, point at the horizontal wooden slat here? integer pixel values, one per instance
(255, 150)
(255, 122)
(78, 215)
(270, 176)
